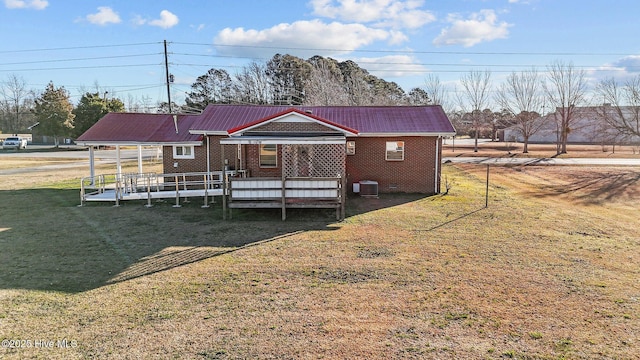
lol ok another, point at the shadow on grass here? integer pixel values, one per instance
(49, 243)
(451, 221)
(593, 187)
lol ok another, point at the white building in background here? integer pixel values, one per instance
(588, 127)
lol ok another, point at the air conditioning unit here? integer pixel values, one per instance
(369, 188)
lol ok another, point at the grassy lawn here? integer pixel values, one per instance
(548, 271)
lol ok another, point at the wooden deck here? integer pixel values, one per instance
(123, 187)
(288, 193)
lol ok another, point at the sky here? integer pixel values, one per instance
(118, 46)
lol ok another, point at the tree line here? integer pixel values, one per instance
(477, 107)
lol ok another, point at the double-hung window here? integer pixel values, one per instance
(395, 151)
(183, 152)
(268, 155)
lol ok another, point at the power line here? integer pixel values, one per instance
(412, 51)
(75, 48)
(79, 59)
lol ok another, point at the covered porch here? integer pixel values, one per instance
(312, 175)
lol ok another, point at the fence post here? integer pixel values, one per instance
(486, 192)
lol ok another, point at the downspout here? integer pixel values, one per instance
(436, 179)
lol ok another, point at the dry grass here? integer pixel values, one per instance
(548, 271)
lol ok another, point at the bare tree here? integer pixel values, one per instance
(324, 86)
(566, 90)
(622, 109)
(17, 101)
(436, 90)
(474, 97)
(252, 85)
(521, 95)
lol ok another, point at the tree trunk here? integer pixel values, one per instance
(475, 147)
(525, 146)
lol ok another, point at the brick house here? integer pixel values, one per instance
(397, 147)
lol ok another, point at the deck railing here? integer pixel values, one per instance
(293, 192)
(124, 186)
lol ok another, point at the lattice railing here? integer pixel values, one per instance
(317, 160)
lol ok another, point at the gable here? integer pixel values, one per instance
(293, 121)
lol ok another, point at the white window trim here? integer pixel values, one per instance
(386, 152)
(191, 151)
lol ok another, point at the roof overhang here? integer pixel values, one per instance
(137, 143)
(207, 132)
(283, 140)
(423, 134)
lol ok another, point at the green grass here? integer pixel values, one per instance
(404, 276)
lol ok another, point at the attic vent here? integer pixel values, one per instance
(309, 111)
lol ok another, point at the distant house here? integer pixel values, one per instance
(397, 148)
(588, 127)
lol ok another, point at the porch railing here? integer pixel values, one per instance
(114, 187)
(293, 192)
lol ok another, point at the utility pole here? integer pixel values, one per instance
(166, 68)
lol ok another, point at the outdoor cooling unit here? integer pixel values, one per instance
(369, 188)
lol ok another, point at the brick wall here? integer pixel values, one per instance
(199, 163)
(416, 173)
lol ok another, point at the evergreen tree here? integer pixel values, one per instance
(54, 112)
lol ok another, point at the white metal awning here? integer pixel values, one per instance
(284, 140)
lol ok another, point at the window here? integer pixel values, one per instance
(268, 155)
(395, 151)
(351, 147)
(183, 152)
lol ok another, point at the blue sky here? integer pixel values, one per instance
(118, 45)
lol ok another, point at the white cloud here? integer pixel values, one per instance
(26, 4)
(104, 16)
(480, 27)
(298, 38)
(198, 27)
(382, 13)
(622, 69)
(166, 21)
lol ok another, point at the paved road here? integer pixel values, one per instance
(77, 158)
(543, 161)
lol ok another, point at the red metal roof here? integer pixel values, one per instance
(222, 119)
(140, 128)
(364, 119)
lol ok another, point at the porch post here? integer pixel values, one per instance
(224, 184)
(92, 167)
(208, 155)
(436, 178)
(118, 164)
(284, 181)
(139, 159)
